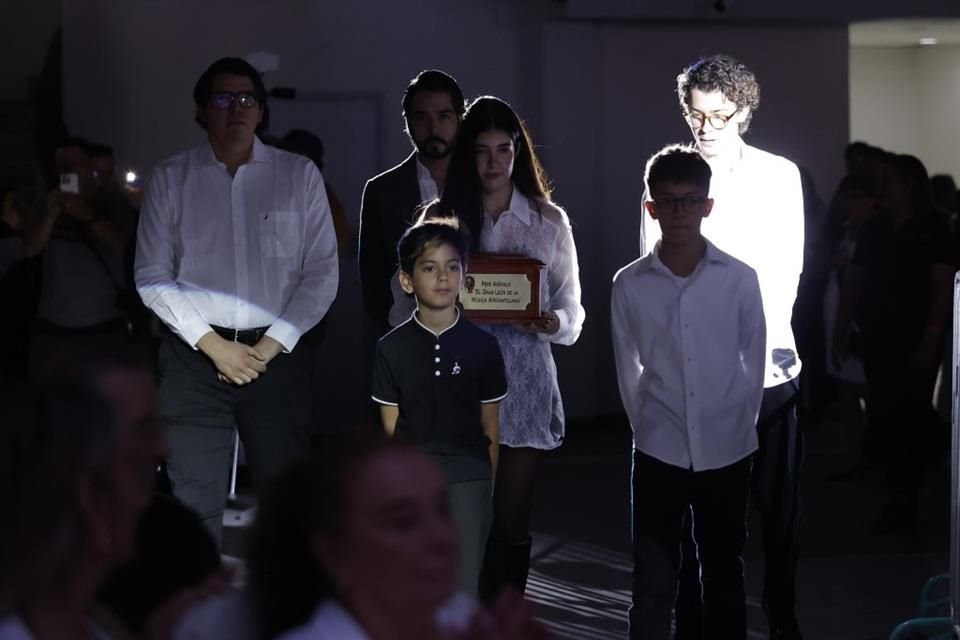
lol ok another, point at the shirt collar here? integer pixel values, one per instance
(414, 317)
(712, 255)
(422, 172)
(260, 153)
(519, 206)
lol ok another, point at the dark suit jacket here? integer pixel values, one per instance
(390, 201)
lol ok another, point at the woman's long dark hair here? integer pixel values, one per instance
(461, 194)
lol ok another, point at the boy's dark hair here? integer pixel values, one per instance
(429, 233)
(433, 80)
(677, 163)
(725, 74)
(233, 66)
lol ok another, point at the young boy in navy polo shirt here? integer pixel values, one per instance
(439, 380)
(689, 339)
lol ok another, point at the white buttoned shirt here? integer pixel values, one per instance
(426, 183)
(757, 217)
(254, 250)
(690, 358)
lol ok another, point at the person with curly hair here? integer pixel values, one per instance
(757, 218)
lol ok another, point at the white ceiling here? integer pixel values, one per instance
(904, 33)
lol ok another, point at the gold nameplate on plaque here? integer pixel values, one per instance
(502, 289)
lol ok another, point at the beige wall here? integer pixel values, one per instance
(904, 99)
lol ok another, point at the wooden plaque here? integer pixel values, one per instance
(502, 289)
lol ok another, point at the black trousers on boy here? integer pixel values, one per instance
(774, 485)
(662, 497)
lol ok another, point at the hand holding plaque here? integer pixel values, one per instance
(502, 289)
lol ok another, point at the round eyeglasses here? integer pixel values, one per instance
(225, 99)
(716, 120)
(690, 204)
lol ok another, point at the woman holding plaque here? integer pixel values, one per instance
(498, 188)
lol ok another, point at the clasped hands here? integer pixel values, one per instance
(238, 363)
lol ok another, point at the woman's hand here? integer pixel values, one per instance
(548, 323)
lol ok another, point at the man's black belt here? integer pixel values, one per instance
(248, 337)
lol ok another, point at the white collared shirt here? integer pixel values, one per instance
(428, 186)
(757, 217)
(690, 355)
(254, 250)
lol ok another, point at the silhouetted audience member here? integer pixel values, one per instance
(173, 552)
(807, 319)
(78, 455)
(19, 279)
(897, 289)
(946, 199)
(82, 238)
(945, 196)
(358, 542)
(855, 201)
(306, 143)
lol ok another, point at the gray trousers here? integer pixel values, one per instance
(271, 414)
(472, 508)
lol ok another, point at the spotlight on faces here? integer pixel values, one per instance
(714, 122)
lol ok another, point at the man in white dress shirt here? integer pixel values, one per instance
(757, 218)
(236, 254)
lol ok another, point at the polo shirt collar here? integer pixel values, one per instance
(414, 317)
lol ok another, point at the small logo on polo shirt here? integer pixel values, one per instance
(456, 368)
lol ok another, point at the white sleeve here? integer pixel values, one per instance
(753, 338)
(625, 351)
(563, 277)
(155, 263)
(649, 229)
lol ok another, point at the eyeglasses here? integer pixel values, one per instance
(225, 99)
(691, 204)
(716, 120)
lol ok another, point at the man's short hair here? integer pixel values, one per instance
(433, 80)
(725, 74)
(427, 234)
(233, 66)
(76, 142)
(97, 150)
(679, 163)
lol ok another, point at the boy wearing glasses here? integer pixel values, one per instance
(237, 255)
(689, 342)
(758, 218)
